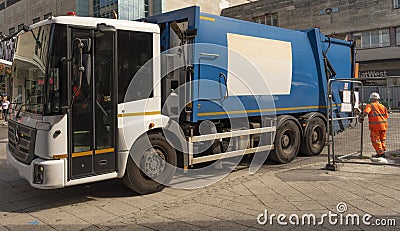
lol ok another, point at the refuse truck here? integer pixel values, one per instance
(97, 99)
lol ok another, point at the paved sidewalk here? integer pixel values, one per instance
(232, 204)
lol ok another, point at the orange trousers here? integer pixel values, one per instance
(378, 140)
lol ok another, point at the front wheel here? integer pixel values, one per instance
(151, 164)
(287, 142)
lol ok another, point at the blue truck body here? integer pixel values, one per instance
(309, 75)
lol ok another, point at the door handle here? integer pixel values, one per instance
(222, 75)
(208, 55)
(103, 162)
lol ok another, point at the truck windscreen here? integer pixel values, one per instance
(36, 74)
(29, 69)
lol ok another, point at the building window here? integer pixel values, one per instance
(12, 2)
(268, 19)
(146, 8)
(35, 20)
(46, 16)
(372, 39)
(11, 31)
(398, 36)
(20, 27)
(396, 3)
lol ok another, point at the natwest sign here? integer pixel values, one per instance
(379, 73)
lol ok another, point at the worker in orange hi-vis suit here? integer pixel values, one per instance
(378, 125)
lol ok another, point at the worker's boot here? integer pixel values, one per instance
(379, 155)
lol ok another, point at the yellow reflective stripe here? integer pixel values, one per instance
(101, 151)
(262, 110)
(379, 122)
(375, 115)
(139, 114)
(60, 156)
(207, 18)
(89, 153)
(80, 154)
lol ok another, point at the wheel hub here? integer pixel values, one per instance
(285, 141)
(315, 136)
(154, 163)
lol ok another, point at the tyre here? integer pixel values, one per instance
(287, 142)
(314, 138)
(157, 160)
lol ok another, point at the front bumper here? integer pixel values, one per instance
(54, 171)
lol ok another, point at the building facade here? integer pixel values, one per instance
(14, 14)
(206, 6)
(374, 25)
(136, 9)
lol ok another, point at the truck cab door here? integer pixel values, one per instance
(92, 117)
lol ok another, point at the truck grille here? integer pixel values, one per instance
(21, 141)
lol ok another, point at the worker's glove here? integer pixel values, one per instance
(360, 119)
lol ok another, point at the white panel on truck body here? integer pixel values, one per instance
(271, 61)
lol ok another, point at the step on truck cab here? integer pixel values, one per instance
(98, 99)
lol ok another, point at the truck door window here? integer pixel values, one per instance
(134, 50)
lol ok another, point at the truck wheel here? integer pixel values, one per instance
(314, 138)
(287, 142)
(157, 162)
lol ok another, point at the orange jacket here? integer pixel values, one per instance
(377, 116)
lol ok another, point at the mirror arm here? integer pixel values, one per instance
(81, 70)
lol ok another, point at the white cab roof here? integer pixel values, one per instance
(92, 22)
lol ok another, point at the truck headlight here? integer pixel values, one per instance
(38, 174)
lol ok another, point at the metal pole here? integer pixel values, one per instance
(332, 127)
(388, 93)
(362, 124)
(328, 127)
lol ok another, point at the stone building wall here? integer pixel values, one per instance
(25, 11)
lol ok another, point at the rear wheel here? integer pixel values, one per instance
(314, 137)
(151, 164)
(287, 142)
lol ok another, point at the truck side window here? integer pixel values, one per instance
(134, 50)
